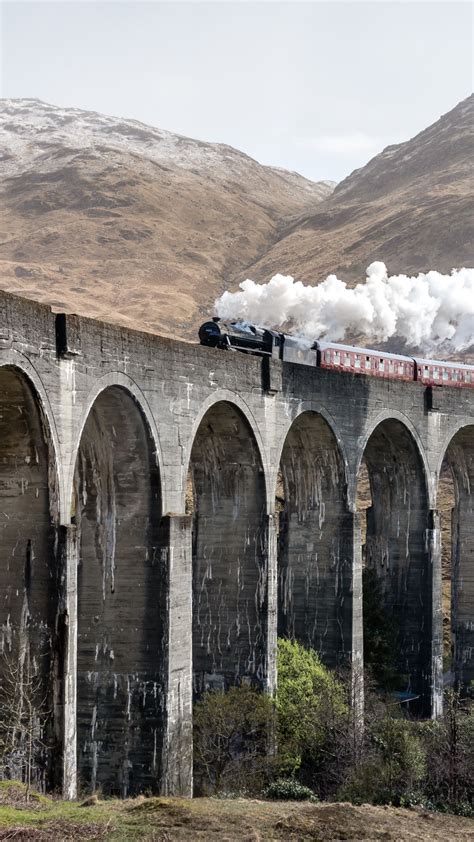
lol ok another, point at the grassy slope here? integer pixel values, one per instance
(164, 819)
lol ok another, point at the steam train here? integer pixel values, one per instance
(252, 339)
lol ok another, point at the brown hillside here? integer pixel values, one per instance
(120, 221)
(411, 206)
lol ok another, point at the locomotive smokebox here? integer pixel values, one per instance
(210, 333)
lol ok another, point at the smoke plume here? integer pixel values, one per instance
(426, 311)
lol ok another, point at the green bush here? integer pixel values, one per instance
(401, 752)
(309, 740)
(242, 738)
(393, 767)
(309, 701)
(288, 789)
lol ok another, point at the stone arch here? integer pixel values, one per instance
(230, 551)
(315, 539)
(121, 683)
(458, 458)
(317, 409)
(405, 421)
(118, 379)
(20, 363)
(30, 574)
(226, 396)
(398, 599)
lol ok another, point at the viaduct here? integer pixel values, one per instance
(142, 555)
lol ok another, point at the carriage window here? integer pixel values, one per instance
(445, 375)
(426, 370)
(357, 362)
(381, 365)
(327, 356)
(467, 376)
(454, 375)
(401, 368)
(347, 359)
(337, 357)
(368, 362)
(436, 374)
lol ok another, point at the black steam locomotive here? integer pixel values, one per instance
(241, 336)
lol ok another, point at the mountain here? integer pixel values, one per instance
(121, 221)
(411, 207)
(118, 220)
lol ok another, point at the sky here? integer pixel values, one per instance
(316, 87)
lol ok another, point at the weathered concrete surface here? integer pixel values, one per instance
(460, 457)
(29, 568)
(116, 421)
(397, 551)
(316, 541)
(121, 600)
(229, 552)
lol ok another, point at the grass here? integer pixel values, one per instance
(224, 820)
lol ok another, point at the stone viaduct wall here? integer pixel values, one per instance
(143, 555)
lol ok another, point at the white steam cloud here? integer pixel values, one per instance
(426, 311)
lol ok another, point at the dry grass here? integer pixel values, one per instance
(226, 820)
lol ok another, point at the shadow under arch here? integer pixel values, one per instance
(394, 416)
(458, 461)
(397, 569)
(227, 499)
(315, 540)
(30, 573)
(225, 396)
(122, 621)
(121, 381)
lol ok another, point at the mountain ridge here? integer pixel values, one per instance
(100, 211)
(121, 221)
(397, 208)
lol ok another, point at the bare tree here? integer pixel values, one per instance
(231, 734)
(451, 751)
(23, 716)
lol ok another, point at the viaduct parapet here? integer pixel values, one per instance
(167, 510)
